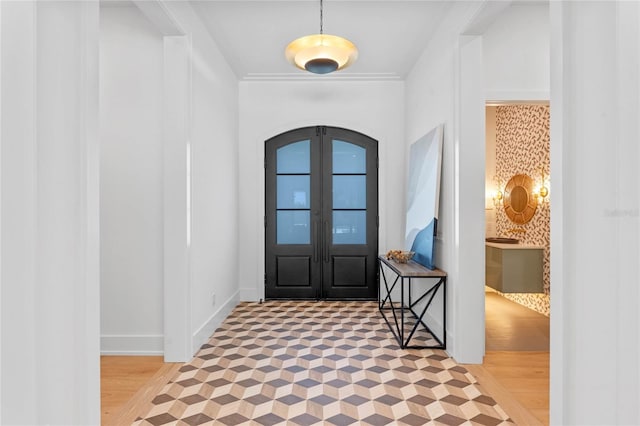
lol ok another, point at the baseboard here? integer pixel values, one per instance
(202, 335)
(131, 344)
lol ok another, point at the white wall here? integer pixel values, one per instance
(270, 108)
(159, 63)
(595, 105)
(131, 156)
(213, 133)
(516, 53)
(432, 90)
(50, 214)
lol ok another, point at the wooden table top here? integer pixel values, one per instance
(411, 269)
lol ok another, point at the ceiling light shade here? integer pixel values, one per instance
(321, 53)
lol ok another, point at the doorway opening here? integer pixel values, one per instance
(517, 158)
(321, 214)
(517, 273)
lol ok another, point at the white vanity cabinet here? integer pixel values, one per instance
(514, 268)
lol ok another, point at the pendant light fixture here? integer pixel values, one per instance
(321, 53)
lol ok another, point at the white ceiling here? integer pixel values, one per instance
(389, 34)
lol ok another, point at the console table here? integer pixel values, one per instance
(395, 311)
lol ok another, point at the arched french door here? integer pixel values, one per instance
(321, 221)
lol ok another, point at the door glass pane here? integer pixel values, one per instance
(348, 158)
(294, 158)
(293, 192)
(349, 227)
(349, 192)
(293, 227)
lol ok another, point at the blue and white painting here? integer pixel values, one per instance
(423, 195)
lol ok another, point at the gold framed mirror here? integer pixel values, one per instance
(519, 202)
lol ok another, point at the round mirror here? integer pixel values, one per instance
(519, 199)
(519, 202)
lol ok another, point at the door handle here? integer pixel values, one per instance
(315, 241)
(327, 241)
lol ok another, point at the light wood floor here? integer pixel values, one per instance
(517, 379)
(516, 364)
(124, 380)
(512, 327)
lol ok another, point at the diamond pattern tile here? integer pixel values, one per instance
(308, 363)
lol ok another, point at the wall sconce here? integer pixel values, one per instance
(497, 195)
(542, 190)
(497, 198)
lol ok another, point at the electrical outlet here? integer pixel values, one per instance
(213, 300)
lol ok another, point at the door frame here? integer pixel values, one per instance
(321, 207)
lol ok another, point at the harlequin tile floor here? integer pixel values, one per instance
(308, 363)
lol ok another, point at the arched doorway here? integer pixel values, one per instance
(321, 220)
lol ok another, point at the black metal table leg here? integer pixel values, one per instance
(409, 271)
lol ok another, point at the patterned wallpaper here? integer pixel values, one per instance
(522, 146)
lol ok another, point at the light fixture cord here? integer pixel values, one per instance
(321, 16)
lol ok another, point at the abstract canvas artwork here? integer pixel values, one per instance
(423, 195)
